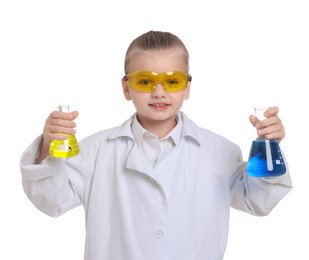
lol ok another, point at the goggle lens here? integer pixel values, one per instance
(146, 81)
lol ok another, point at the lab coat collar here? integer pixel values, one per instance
(124, 130)
(189, 129)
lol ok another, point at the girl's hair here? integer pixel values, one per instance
(155, 40)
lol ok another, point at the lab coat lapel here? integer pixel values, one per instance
(138, 162)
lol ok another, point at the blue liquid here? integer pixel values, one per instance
(257, 165)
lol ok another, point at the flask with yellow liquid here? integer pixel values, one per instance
(64, 148)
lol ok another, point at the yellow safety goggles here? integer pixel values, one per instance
(146, 81)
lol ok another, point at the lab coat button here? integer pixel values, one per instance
(159, 235)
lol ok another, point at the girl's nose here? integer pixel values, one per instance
(158, 91)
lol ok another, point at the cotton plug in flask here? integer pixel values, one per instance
(64, 148)
(265, 158)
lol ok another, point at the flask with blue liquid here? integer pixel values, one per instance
(265, 158)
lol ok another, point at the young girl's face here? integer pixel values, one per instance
(158, 106)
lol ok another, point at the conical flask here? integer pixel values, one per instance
(265, 158)
(64, 148)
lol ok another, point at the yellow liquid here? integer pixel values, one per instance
(64, 149)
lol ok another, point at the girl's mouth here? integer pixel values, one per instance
(159, 105)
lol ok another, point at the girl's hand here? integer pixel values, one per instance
(271, 127)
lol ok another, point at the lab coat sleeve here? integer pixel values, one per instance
(258, 196)
(48, 185)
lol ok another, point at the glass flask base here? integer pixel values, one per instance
(64, 149)
(258, 166)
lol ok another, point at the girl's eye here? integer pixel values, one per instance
(144, 82)
(172, 82)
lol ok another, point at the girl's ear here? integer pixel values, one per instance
(187, 91)
(125, 89)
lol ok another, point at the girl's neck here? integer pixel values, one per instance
(160, 128)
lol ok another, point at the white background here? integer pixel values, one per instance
(243, 53)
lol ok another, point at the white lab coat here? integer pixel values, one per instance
(178, 210)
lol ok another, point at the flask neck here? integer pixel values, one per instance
(64, 108)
